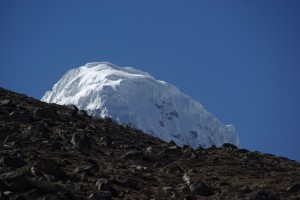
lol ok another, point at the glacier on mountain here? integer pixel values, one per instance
(137, 99)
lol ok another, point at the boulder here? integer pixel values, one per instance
(189, 197)
(101, 195)
(21, 115)
(16, 180)
(47, 112)
(175, 169)
(132, 184)
(295, 188)
(51, 167)
(200, 188)
(229, 146)
(80, 139)
(105, 141)
(167, 189)
(7, 102)
(172, 150)
(246, 189)
(87, 169)
(133, 155)
(72, 107)
(14, 162)
(103, 184)
(263, 195)
(3, 187)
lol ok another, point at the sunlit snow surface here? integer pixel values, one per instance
(133, 97)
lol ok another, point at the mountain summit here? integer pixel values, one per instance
(135, 98)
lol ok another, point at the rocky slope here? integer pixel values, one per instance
(50, 151)
(135, 98)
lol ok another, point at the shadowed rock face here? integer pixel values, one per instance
(49, 151)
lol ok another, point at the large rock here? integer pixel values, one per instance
(101, 195)
(16, 180)
(21, 115)
(263, 195)
(51, 167)
(200, 188)
(12, 162)
(133, 155)
(47, 112)
(80, 139)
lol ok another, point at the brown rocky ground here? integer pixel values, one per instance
(50, 151)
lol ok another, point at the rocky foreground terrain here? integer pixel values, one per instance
(50, 151)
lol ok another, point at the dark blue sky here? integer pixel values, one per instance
(240, 59)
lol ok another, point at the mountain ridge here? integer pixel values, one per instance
(136, 98)
(50, 151)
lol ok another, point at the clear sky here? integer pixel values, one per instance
(240, 59)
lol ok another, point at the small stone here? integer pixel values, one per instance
(185, 147)
(133, 155)
(215, 178)
(11, 139)
(55, 145)
(171, 143)
(82, 113)
(193, 155)
(3, 187)
(46, 187)
(9, 145)
(189, 197)
(187, 150)
(224, 183)
(105, 141)
(33, 194)
(167, 189)
(214, 159)
(87, 169)
(200, 188)
(37, 132)
(103, 184)
(251, 156)
(172, 150)
(187, 178)
(149, 149)
(72, 107)
(8, 193)
(157, 165)
(103, 195)
(295, 188)
(141, 168)
(132, 184)
(35, 171)
(246, 189)
(242, 151)
(175, 169)
(20, 197)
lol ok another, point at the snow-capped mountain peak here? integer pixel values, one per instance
(134, 97)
